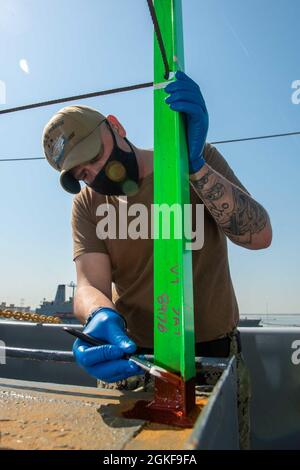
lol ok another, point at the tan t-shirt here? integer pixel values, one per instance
(215, 305)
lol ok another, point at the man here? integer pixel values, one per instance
(84, 145)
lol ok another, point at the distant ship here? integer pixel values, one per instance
(59, 307)
(250, 322)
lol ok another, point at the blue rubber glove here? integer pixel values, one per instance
(186, 97)
(105, 362)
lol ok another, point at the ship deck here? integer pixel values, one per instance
(40, 416)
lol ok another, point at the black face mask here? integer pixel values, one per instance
(120, 174)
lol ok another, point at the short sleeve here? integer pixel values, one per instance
(84, 225)
(214, 159)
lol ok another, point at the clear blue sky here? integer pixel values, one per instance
(244, 55)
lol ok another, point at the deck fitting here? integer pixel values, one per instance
(173, 405)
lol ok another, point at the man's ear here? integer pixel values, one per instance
(114, 122)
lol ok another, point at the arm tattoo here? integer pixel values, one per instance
(247, 217)
(237, 213)
(204, 180)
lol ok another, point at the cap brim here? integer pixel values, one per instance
(69, 183)
(84, 151)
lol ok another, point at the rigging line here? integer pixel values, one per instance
(21, 159)
(213, 143)
(271, 136)
(159, 37)
(77, 97)
(109, 91)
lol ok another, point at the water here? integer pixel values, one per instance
(275, 319)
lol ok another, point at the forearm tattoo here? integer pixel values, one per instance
(237, 213)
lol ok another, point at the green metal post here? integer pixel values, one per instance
(173, 280)
(174, 344)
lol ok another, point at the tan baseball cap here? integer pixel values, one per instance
(71, 138)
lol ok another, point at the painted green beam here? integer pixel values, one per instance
(173, 280)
